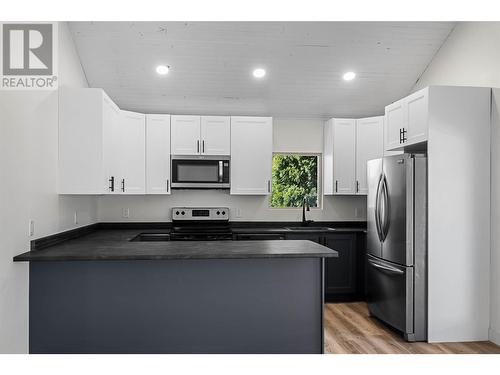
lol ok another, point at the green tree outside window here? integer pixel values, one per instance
(294, 177)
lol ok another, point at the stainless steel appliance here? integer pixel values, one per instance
(200, 224)
(200, 172)
(397, 243)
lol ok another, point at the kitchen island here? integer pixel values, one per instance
(103, 293)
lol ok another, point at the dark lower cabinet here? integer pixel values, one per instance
(341, 272)
(345, 275)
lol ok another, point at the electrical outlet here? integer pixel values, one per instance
(31, 227)
(238, 212)
(75, 218)
(126, 212)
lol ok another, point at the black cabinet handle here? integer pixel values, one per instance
(357, 186)
(268, 186)
(336, 186)
(112, 183)
(203, 146)
(198, 146)
(168, 185)
(123, 184)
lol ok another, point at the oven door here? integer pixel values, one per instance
(200, 172)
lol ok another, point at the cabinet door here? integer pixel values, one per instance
(340, 273)
(328, 183)
(344, 156)
(417, 115)
(133, 153)
(112, 137)
(185, 134)
(395, 115)
(369, 145)
(251, 155)
(215, 135)
(158, 154)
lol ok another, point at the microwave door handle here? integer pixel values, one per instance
(221, 171)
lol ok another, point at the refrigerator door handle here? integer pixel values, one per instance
(377, 210)
(386, 268)
(386, 218)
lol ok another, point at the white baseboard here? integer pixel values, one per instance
(494, 336)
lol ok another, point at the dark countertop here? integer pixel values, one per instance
(284, 230)
(116, 245)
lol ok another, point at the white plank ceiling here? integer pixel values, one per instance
(212, 62)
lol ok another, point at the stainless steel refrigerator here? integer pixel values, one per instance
(397, 243)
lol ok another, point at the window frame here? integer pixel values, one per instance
(319, 156)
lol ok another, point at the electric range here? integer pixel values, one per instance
(200, 224)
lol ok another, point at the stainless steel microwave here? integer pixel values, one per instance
(200, 172)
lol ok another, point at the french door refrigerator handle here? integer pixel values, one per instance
(385, 268)
(377, 210)
(386, 218)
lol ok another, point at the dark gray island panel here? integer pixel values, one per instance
(263, 305)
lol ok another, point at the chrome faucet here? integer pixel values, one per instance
(305, 207)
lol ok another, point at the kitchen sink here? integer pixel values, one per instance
(310, 229)
(150, 237)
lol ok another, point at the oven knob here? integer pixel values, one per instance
(223, 212)
(218, 212)
(177, 212)
(183, 213)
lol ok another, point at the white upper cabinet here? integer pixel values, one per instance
(111, 146)
(417, 115)
(407, 121)
(185, 133)
(87, 120)
(132, 152)
(344, 156)
(158, 154)
(251, 155)
(394, 124)
(215, 135)
(348, 145)
(201, 135)
(369, 145)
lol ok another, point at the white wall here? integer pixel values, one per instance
(289, 135)
(28, 175)
(471, 57)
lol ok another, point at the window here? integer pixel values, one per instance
(295, 176)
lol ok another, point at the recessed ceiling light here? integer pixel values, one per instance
(259, 73)
(162, 69)
(349, 76)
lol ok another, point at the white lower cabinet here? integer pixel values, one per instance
(348, 145)
(158, 154)
(251, 155)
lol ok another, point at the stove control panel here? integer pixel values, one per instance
(200, 213)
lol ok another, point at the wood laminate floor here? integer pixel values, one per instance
(350, 330)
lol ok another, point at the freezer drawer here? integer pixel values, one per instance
(390, 293)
